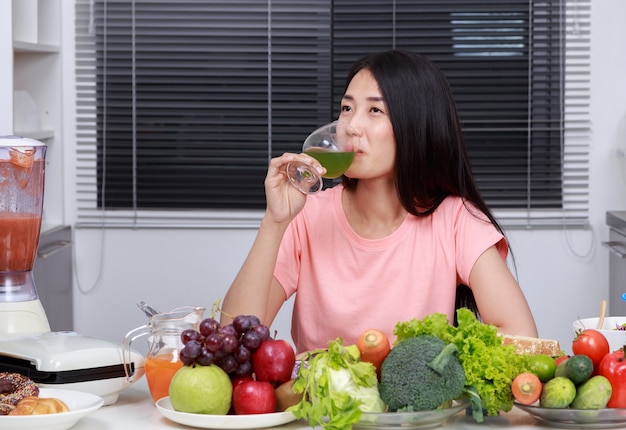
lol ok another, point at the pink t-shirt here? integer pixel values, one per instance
(346, 284)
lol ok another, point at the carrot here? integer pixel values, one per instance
(374, 345)
(526, 388)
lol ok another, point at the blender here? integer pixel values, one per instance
(22, 165)
(65, 359)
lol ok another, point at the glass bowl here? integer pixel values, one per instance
(577, 418)
(409, 420)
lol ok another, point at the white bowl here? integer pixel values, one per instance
(616, 338)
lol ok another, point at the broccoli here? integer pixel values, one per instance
(421, 373)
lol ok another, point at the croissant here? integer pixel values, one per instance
(32, 405)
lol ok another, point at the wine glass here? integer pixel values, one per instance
(334, 145)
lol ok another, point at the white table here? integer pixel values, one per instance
(135, 411)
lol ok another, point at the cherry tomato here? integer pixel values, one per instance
(613, 368)
(593, 344)
(560, 359)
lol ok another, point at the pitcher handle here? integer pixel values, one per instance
(130, 337)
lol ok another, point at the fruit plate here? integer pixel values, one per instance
(577, 418)
(206, 421)
(409, 420)
(80, 404)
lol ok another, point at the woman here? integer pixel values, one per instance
(406, 227)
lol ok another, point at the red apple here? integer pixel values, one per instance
(241, 379)
(273, 361)
(254, 397)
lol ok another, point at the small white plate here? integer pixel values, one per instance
(80, 404)
(206, 421)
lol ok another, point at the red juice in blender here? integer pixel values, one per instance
(21, 181)
(22, 164)
(19, 235)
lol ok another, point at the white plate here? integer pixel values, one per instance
(409, 420)
(80, 404)
(206, 421)
(577, 418)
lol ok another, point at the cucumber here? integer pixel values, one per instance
(577, 368)
(559, 392)
(593, 394)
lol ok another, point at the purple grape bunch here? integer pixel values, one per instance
(230, 346)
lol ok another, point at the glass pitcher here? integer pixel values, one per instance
(164, 344)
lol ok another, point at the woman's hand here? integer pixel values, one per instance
(284, 201)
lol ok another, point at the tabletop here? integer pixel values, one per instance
(135, 410)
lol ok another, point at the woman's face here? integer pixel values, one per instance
(364, 108)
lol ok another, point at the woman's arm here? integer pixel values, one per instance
(500, 299)
(254, 290)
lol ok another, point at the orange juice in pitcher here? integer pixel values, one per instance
(159, 372)
(163, 358)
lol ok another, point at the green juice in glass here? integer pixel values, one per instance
(336, 163)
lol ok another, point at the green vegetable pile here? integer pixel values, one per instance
(337, 387)
(489, 366)
(421, 374)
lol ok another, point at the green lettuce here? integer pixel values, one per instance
(489, 366)
(337, 387)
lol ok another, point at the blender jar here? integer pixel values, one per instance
(22, 163)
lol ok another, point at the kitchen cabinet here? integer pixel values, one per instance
(617, 262)
(31, 106)
(37, 88)
(53, 277)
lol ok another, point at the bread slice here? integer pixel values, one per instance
(532, 345)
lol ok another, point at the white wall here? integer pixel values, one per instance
(564, 274)
(6, 75)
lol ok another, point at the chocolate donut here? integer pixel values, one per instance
(13, 388)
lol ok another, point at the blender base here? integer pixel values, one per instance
(68, 360)
(22, 318)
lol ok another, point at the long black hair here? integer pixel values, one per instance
(431, 157)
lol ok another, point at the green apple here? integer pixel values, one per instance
(201, 390)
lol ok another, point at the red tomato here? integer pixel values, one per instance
(593, 344)
(613, 368)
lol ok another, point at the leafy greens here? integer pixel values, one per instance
(337, 387)
(489, 366)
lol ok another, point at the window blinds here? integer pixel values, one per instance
(181, 104)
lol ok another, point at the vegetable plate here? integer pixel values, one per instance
(607, 418)
(409, 420)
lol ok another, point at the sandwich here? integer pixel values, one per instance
(533, 345)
